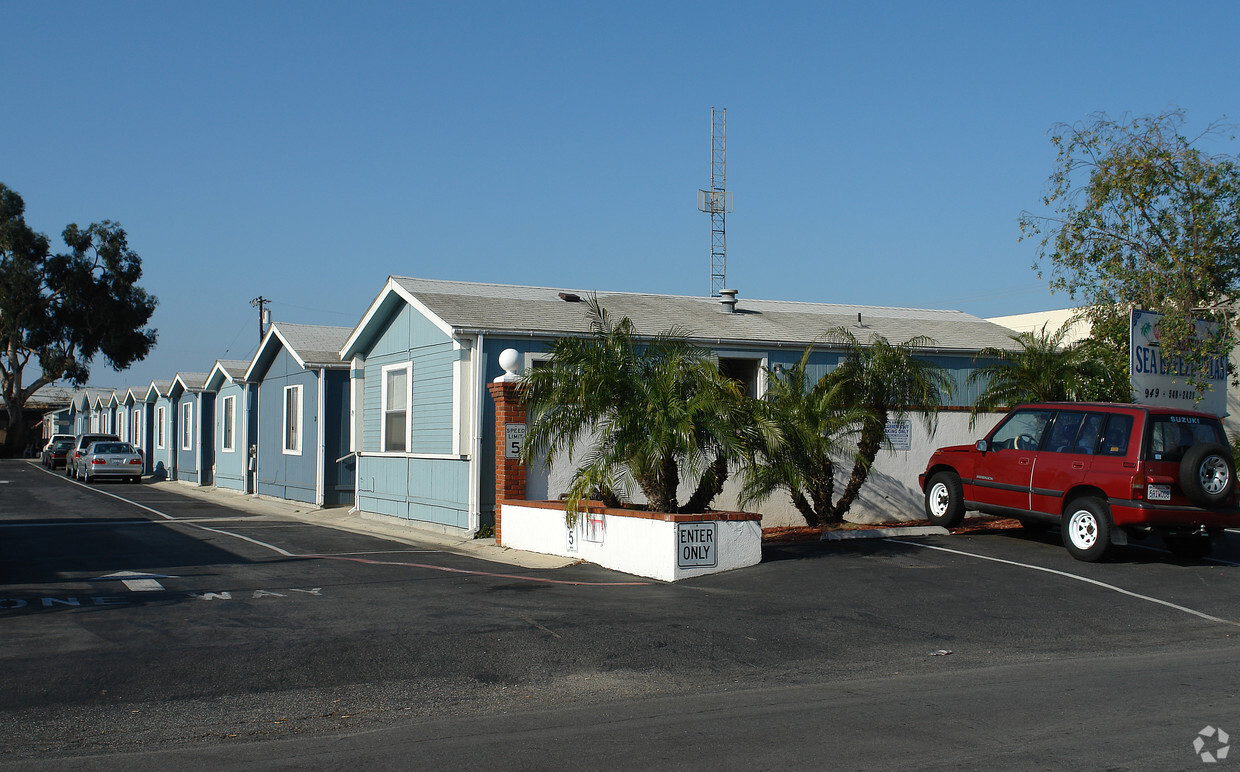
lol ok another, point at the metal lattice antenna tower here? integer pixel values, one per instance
(717, 200)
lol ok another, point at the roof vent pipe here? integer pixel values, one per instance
(727, 300)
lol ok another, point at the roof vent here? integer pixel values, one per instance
(570, 297)
(727, 300)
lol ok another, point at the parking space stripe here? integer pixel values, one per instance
(1076, 577)
(287, 554)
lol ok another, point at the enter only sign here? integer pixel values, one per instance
(697, 545)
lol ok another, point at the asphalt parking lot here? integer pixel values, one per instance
(269, 628)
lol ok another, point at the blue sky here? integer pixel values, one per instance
(879, 153)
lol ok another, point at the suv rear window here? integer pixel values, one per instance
(1115, 437)
(1171, 435)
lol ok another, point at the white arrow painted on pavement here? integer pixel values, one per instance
(137, 582)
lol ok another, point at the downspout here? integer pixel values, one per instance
(199, 457)
(258, 423)
(354, 366)
(174, 442)
(475, 456)
(320, 441)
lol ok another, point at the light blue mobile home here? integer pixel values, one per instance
(136, 423)
(424, 352)
(303, 415)
(163, 457)
(193, 443)
(235, 424)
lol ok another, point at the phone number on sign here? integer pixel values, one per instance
(1184, 394)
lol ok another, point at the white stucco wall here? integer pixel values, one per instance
(890, 494)
(644, 546)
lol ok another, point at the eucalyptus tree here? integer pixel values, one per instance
(1139, 214)
(643, 412)
(58, 311)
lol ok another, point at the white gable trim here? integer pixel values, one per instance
(274, 332)
(391, 288)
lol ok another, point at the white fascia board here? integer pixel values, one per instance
(389, 289)
(273, 333)
(217, 378)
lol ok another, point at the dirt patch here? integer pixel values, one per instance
(976, 524)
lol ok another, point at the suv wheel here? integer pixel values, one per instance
(1087, 529)
(945, 500)
(1207, 474)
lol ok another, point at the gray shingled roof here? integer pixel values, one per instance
(235, 368)
(315, 344)
(193, 382)
(497, 308)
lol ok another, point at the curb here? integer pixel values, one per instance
(341, 519)
(880, 533)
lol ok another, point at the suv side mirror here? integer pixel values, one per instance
(982, 446)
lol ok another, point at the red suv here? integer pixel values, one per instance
(1102, 471)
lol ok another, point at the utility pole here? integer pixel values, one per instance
(264, 316)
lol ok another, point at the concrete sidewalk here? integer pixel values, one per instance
(389, 528)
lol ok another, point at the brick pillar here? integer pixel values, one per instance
(509, 472)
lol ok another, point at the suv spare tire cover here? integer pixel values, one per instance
(1214, 460)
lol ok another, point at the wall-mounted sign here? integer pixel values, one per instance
(1160, 377)
(900, 434)
(697, 545)
(514, 435)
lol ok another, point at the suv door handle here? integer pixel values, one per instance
(1023, 461)
(1078, 464)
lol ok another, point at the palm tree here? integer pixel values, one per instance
(646, 411)
(814, 431)
(883, 380)
(1045, 369)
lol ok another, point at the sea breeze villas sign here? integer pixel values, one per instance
(1161, 378)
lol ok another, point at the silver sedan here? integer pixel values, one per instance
(111, 459)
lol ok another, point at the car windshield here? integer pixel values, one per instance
(1171, 435)
(1021, 431)
(62, 445)
(112, 447)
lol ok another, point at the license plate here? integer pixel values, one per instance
(1158, 492)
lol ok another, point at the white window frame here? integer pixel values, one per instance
(161, 419)
(385, 371)
(187, 426)
(135, 429)
(298, 427)
(762, 360)
(228, 424)
(121, 414)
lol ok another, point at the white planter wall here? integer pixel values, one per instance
(645, 544)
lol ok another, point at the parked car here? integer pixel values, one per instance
(111, 459)
(57, 438)
(73, 462)
(1104, 472)
(54, 453)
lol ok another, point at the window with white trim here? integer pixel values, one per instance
(397, 396)
(161, 420)
(292, 420)
(187, 426)
(745, 370)
(135, 428)
(228, 420)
